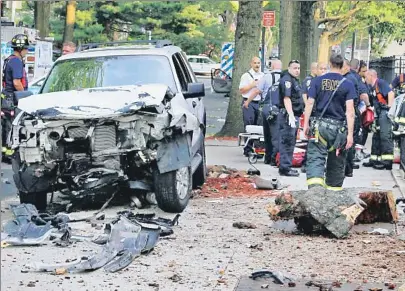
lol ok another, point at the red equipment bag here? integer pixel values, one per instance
(368, 117)
(298, 157)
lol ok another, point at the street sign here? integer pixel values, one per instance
(269, 19)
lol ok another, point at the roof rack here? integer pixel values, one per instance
(157, 43)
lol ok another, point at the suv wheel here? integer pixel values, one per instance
(173, 189)
(200, 173)
(38, 199)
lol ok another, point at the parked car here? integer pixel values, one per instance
(202, 64)
(128, 117)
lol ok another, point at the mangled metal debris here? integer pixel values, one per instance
(125, 238)
(333, 212)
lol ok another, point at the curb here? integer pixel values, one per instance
(399, 178)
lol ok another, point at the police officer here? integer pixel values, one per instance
(291, 108)
(270, 109)
(333, 130)
(305, 87)
(364, 130)
(382, 147)
(14, 79)
(361, 93)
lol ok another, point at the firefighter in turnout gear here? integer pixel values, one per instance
(291, 108)
(332, 128)
(14, 79)
(382, 148)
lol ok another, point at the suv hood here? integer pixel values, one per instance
(95, 102)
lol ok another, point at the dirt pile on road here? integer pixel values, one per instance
(228, 182)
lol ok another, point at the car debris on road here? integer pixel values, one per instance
(124, 238)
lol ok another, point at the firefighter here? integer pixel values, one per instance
(361, 94)
(14, 79)
(268, 87)
(333, 127)
(291, 108)
(382, 148)
(398, 85)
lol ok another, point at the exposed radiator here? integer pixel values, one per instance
(105, 137)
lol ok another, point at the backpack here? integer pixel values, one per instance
(272, 99)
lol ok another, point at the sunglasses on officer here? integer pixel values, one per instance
(293, 62)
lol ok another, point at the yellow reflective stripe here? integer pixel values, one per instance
(322, 140)
(9, 152)
(334, 188)
(374, 157)
(400, 119)
(387, 157)
(316, 181)
(3, 149)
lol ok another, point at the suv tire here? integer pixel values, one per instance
(173, 189)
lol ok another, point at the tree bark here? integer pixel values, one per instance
(307, 34)
(42, 12)
(324, 47)
(286, 31)
(70, 21)
(247, 41)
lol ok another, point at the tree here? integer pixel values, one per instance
(289, 31)
(42, 11)
(335, 18)
(247, 36)
(69, 21)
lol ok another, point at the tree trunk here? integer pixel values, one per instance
(306, 38)
(324, 47)
(295, 39)
(286, 30)
(70, 21)
(42, 12)
(247, 40)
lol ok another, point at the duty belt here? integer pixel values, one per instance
(331, 123)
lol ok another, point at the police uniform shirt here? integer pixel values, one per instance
(290, 87)
(306, 84)
(396, 83)
(322, 89)
(14, 70)
(383, 88)
(246, 79)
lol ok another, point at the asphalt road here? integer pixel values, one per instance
(216, 106)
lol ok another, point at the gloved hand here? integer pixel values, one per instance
(291, 120)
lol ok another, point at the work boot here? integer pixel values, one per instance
(288, 173)
(369, 164)
(379, 167)
(303, 169)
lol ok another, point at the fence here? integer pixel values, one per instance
(389, 67)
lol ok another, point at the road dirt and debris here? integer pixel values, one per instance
(206, 252)
(228, 182)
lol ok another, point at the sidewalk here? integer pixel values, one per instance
(228, 153)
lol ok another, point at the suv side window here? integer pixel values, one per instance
(182, 71)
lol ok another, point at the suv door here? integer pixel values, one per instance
(220, 81)
(186, 77)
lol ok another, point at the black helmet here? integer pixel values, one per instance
(20, 41)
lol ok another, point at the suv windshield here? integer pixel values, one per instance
(107, 71)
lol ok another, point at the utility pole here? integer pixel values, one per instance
(353, 44)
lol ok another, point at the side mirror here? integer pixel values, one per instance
(194, 90)
(22, 94)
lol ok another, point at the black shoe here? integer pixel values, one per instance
(368, 164)
(267, 162)
(303, 169)
(289, 173)
(355, 167)
(349, 174)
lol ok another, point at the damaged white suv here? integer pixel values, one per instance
(121, 116)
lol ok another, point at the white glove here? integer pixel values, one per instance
(291, 120)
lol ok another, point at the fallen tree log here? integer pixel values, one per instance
(333, 212)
